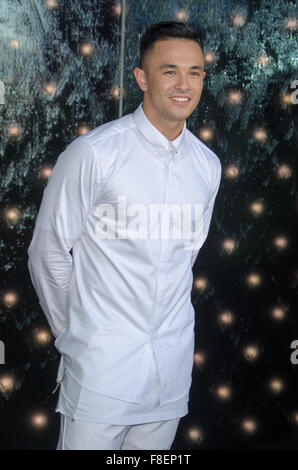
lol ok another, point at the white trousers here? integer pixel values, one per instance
(81, 435)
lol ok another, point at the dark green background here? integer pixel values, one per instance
(49, 41)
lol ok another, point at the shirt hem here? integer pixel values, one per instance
(132, 420)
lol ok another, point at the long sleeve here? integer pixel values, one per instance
(207, 214)
(65, 205)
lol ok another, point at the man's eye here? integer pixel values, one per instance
(193, 73)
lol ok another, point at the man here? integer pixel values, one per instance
(120, 306)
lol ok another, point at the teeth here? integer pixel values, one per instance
(180, 99)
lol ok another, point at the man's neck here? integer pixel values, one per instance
(170, 132)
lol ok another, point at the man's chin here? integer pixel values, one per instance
(180, 114)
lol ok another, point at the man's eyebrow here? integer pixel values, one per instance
(173, 66)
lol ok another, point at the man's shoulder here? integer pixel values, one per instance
(202, 149)
(108, 131)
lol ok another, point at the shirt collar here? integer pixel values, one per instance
(154, 136)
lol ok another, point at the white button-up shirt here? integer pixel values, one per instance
(124, 290)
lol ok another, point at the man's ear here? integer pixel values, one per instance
(140, 78)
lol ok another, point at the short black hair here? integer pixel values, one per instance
(167, 30)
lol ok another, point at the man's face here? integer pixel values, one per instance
(175, 68)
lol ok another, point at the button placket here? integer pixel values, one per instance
(164, 253)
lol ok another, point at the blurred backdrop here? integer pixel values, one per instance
(60, 76)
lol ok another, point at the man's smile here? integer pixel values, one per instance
(180, 100)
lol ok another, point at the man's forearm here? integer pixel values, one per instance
(50, 270)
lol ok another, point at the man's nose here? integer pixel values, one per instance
(182, 82)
